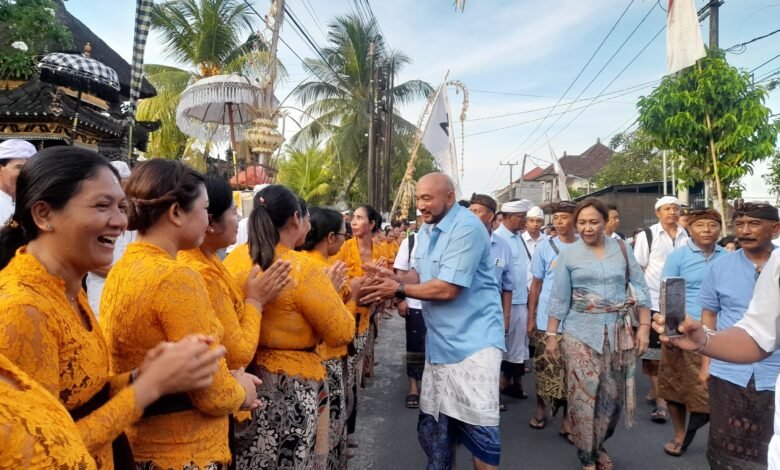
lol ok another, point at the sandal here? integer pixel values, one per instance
(567, 436)
(605, 461)
(674, 448)
(537, 424)
(501, 406)
(659, 415)
(413, 401)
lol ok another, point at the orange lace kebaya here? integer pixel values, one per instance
(150, 297)
(240, 320)
(305, 313)
(350, 254)
(42, 334)
(35, 429)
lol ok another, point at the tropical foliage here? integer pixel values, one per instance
(307, 171)
(337, 99)
(168, 141)
(635, 161)
(772, 177)
(27, 28)
(675, 117)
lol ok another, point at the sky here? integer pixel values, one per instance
(515, 57)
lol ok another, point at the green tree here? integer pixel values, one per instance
(338, 100)
(635, 161)
(202, 33)
(307, 172)
(772, 178)
(168, 141)
(675, 116)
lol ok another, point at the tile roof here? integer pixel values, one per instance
(586, 165)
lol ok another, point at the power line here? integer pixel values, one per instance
(310, 9)
(622, 45)
(582, 70)
(741, 46)
(631, 88)
(764, 63)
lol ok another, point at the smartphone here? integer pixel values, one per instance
(672, 300)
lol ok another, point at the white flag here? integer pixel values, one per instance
(684, 45)
(563, 191)
(439, 140)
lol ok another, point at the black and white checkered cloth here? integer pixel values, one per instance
(143, 18)
(76, 67)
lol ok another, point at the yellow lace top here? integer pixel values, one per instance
(36, 432)
(238, 261)
(306, 312)
(43, 335)
(150, 297)
(240, 321)
(350, 254)
(325, 352)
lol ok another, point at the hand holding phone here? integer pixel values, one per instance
(672, 301)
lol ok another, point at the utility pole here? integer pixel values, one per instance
(522, 175)
(511, 178)
(371, 129)
(714, 21)
(388, 137)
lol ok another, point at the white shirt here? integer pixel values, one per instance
(95, 283)
(242, 236)
(7, 207)
(531, 244)
(403, 261)
(615, 236)
(762, 323)
(652, 261)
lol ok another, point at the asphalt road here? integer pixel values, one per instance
(387, 432)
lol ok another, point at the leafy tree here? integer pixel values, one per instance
(307, 172)
(635, 161)
(772, 178)
(675, 116)
(339, 100)
(168, 141)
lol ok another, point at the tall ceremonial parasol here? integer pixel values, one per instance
(81, 73)
(220, 107)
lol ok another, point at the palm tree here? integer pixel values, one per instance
(168, 141)
(202, 33)
(339, 98)
(306, 171)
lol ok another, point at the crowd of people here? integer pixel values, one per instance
(143, 325)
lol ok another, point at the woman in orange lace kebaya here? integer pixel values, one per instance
(357, 251)
(149, 297)
(35, 429)
(304, 314)
(69, 210)
(324, 240)
(239, 309)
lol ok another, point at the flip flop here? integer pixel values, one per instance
(537, 424)
(604, 461)
(659, 415)
(413, 401)
(567, 436)
(673, 448)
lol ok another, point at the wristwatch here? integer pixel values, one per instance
(399, 292)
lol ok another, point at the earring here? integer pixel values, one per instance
(50, 227)
(211, 230)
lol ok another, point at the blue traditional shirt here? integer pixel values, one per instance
(579, 268)
(690, 263)
(520, 261)
(502, 257)
(457, 251)
(543, 268)
(726, 290)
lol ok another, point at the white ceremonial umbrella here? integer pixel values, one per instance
(219, 108)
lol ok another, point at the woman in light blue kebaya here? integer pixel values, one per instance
(590, 298)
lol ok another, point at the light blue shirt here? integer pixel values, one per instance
(578, 267)
(520, 258)
(690, 263)
(457, 251)
(726, 290)
(502, 257)
(543, 268)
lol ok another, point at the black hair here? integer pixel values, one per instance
(155, 186)
(464, 203)
(612, 207)
(5, 161)
(323, 223)
(373, 216)
(304, 207)
(276, 204)
(594, 203)
(220, 196)
(53, 175)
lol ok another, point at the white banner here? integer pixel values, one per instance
(438, 137)
(684, 45)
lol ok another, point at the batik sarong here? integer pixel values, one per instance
(740, 425)
(337, 404)
(678, 380)
(550, 376)
(282, 432)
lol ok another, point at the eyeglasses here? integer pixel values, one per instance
(343, 234)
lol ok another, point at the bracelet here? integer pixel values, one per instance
(548, 334)
(707, 333)
(644, 324)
